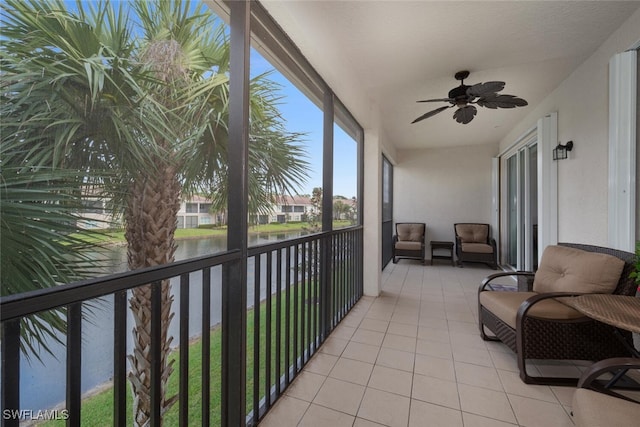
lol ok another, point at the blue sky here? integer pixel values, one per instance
(302, 115)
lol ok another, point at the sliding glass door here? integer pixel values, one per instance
(522, 208)
(387, 211)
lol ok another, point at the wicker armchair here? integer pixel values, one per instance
(475, 244)
(595, 406)
(408, 242)
(537, 326)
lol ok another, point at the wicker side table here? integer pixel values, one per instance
(439, 245)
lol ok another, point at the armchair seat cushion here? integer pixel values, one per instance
(593, 409)
(482, 248)
(564, 269)
(408, 245)
(504, 305)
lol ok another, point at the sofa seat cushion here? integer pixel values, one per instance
(504, 305)
(408, 246)
(564, 269)
(410, 232)
(481, 248)
(472, 233)
(593, 409)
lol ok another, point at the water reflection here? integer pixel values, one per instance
(42, 384)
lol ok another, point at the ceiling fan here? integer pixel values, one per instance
(482, 94)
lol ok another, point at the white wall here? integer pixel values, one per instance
(442, 186)
(582, 105)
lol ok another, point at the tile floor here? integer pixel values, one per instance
(413, 357)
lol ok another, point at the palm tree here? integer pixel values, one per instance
(150, 106)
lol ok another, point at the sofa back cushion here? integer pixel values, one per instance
(410, 232)
(564, 269)
(472, 233)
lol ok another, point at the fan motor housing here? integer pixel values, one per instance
(459, 92)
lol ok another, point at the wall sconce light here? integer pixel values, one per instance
(560, 152)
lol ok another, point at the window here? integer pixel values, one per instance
(191, 208)
(204, 207)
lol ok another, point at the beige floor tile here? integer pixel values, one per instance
(434, 367)
(352, 371)
(374, 325)
(426, 414)
(343, 331)
(396, 359)
(287, 412)
(473, 420)
(353, 320)
(403, 329)
(427, 333)
(504, 361)
(436, 391)
(475, 356)
(459, 339)
(564, 394)
(498, 346)
(340, 395)
(479, 376)
(368, 337)
(433, 319)
(410, 318)
(398, 342)
(306, 386)
(513, 385)
(319, 416)
(536, 413)
(462, 316)
(485, 402)
(385, 408)
(434, 348)
(464, 327)
(379, 315)
(334, 346)
(362, 352)
(361, 422)
(321, 363)
(391, 380)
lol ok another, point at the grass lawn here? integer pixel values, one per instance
(97, 410)
(108, 237)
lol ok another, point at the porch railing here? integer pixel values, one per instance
(297, 292)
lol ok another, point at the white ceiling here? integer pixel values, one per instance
(380, 57)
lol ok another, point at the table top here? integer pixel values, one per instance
(616, 310)
(440, 243)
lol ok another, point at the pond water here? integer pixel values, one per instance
(42, 383)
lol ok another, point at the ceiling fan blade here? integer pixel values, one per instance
(438, 100)
(465, 114)
(501, 101)
(483, 89)
(431, 113)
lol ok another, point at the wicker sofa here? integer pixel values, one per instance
(537, 326)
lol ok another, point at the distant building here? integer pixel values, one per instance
(195, 212)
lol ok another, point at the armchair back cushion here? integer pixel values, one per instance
(472, 233)
(564, 269)
(410, 232)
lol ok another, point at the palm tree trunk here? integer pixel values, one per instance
(150, 218)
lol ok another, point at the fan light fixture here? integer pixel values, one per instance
(481, 94)
(560, 152)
